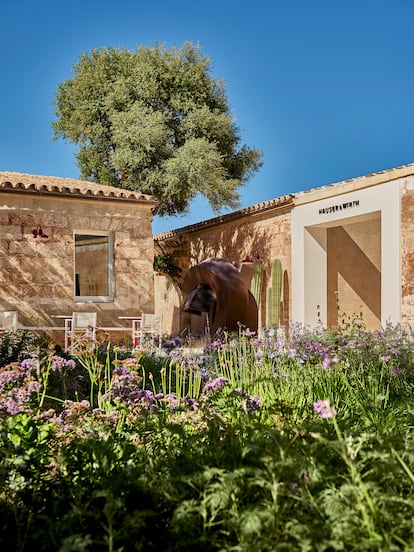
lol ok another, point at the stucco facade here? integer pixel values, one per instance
(97, 256)
(346, 250)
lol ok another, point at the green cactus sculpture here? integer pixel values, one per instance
(257, 282)
(269, 307)
(274, 294)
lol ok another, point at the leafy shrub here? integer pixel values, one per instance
(15, 346)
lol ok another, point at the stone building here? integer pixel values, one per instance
(68, 245)
(342, 249)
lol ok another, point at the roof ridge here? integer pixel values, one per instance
(70, 186)
(281, 201)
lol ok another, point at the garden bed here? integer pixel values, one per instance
(297, 441)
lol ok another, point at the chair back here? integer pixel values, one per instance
(8, 320)
(151, 323)
(151, 328)
(81, 322)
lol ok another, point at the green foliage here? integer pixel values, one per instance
(166, 264)
(98, 368)
(154, 120)
(14, 346)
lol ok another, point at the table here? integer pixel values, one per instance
(41, 328)
(135, 328)
(138, 317)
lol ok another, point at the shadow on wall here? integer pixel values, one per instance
(235, 243)
(354, 277)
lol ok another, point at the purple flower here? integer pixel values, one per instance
(147, 399)
(33, 387)
(125, 389)
(15, 401)
(192, 404)
(10, 377)
(252, 403)
(214, 345)
(204, 374)
(60, 363)
(29, 364)
(172, 401)
(74, 410)
(324, 408)
(175, 342)
(216, 384)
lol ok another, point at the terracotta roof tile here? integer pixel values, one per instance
(253, 210)
(66, 186)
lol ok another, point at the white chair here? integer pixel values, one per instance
(150, 330)
(81, 323)
(8, 320)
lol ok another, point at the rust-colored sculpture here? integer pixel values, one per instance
(216, 287)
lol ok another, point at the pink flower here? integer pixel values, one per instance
(328, 360)
(324, 408)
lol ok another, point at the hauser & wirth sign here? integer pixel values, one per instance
(339, 207)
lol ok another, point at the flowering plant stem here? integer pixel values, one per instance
(361, 493)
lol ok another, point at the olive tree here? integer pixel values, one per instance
(155, 121)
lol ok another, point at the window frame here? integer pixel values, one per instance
(111, 276)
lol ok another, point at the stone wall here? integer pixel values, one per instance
(258, 237)
(168, 302)
(37, 276)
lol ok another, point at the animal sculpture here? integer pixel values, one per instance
(216, 287)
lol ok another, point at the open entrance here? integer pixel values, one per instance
(346, 254)
(343, 270)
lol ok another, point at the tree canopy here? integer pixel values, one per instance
(155, 121)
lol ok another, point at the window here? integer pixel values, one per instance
(93, 267)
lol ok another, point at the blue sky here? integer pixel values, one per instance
(324, 88)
